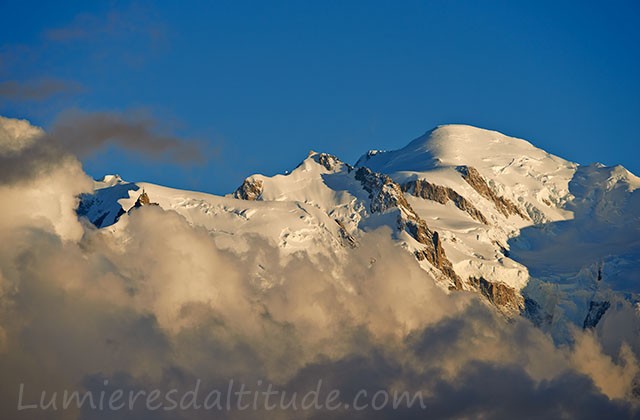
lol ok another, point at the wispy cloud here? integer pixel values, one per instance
(37, 90)
(127, 36)
(135, 22)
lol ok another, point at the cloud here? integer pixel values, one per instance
(37, 90)
(134, 22)
(120, 36)
(163, 306)
(157, 302)
(82, 26)
(27, 152)
(82, 133)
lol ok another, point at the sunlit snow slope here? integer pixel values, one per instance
(535, 234)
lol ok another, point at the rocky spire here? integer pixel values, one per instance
(251, 189)
(143, 200)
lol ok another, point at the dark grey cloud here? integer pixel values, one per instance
(507, 392)
(82, 133)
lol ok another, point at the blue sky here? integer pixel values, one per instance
(262, 83)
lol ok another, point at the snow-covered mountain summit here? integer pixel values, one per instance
(513, 167)
(479, 210)
(452, 145)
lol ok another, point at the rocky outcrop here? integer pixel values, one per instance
(424, 189)
(347, 238)
(478, 183)
(501, 295)
(503, 249)
(595, 314)
(386, 194)
(251, 189)
(433, 252)
(330, 162)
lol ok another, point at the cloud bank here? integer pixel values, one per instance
(158, 304)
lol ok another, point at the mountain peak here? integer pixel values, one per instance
(453, 145)
(112, 179)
